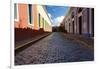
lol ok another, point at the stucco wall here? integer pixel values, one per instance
(42, 12)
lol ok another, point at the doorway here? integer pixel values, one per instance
(80, 25)
(73, 26)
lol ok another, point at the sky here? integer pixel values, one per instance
(56, 13)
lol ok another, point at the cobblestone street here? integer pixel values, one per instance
(55, 48)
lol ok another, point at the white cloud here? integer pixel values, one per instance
(49, 15)
(57, 20)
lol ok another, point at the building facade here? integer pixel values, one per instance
(30, 20)
(80, 21)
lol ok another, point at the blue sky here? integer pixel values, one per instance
(56, 13)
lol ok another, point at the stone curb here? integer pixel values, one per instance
(25, 45)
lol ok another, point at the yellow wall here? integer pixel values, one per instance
(44, 15)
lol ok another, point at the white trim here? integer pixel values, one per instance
(32, 24)
(17, 13)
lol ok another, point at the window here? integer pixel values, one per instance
(16, 18)
(92, 15)
(30, 13)
(68, 19)
(39, 20)
(69, 27)
(43, 22)
(79, 10)
(72, 14)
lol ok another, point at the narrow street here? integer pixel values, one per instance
(55, 48)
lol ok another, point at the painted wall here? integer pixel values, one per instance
(23, 28)
(23, 22)
(45, 22)
(87, 22)
(23, 16)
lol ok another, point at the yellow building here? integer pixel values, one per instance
(30, 20)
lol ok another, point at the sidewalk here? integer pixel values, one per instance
(86, 41)
(21, 44)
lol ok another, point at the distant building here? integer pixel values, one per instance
(80, 21)
(30, 20)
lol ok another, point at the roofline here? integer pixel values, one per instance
(46, 13)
